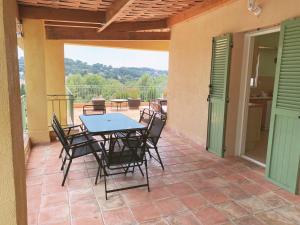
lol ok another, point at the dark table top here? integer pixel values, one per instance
(109, 123)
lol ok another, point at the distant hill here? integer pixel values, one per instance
(122, 74)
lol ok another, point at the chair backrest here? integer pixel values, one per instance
(57, 123)
(94, 109)
(130, 147)
(146, 116)
(156, 126)
(60, 134)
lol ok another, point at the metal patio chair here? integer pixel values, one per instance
(75, 137)
(155, 129)
(119, 159)
(79, 145)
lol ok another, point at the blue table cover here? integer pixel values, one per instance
(108, 123)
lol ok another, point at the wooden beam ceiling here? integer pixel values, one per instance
(63, 15)
(201, 8)
(64, 33)
(122, 26)
(114, 11)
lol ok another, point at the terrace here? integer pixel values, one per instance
(196, 187)
(206, 179)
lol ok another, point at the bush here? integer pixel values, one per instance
(133, 93)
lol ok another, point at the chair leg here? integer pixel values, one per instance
(147, 177)
(105, 186)
(66, 174)
(140, 170)
(63, 164)
(98, 173)
(61, 152)
(160, 161)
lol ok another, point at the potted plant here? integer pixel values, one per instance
(134, 100)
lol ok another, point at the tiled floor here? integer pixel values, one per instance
(195, 188)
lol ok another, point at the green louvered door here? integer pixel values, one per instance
(218, 94)
(284, 135)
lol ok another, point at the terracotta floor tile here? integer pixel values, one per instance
(55, 214)
(96, 220)
(170, 206)
(271, 217)
(85, 208)
(233, 210)
(160, 221)
(253, 189)
(115, 201)
(180, 189)
(235, 192)
(273, 200)
(146, 212)
(195, 187)
(158, 193)
(248, 220)
(136, 196)
(194, 201)
(211, 216)
(54, 200)
(82, 194)
(215, 196)
(186, 218)
(254, 204)
(290, 212)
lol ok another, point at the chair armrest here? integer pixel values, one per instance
(84, 133)
(82, 144)
(69, 128)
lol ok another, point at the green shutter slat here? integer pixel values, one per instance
(221, 51)
(284, 139)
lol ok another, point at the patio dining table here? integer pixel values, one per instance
(110, 123)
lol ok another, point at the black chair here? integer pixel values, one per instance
(122, 158)
(84, 145)
(94, 109)
(146, 116)
(75, 137)
(155, 128)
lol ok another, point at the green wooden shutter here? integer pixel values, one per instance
(218, 94)
(284, 136)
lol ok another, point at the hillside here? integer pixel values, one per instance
(123, 74)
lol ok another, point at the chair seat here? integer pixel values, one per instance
(85, 150)
(120, 156)
(81, 138)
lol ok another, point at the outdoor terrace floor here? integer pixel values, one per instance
(195, 188)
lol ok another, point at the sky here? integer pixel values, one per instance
(116, 57)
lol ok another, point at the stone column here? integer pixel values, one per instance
(12, 164)
(35, 77)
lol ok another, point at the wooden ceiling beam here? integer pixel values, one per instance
(197, 10)
(63, 33)
(139, 25)
(114, 11)
(70, 24)
(121, 26)
(65, 15)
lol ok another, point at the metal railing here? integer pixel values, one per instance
(63, 107)
(85, 93)
(24, 113)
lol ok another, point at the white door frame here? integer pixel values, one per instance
(245, 90)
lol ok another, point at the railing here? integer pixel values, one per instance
(85, 93)
(62, 106)
(24, 113)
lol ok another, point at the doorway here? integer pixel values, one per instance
(261, 49)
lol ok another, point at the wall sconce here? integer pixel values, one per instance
(254, 8)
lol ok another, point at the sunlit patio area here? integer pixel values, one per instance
(196, 187)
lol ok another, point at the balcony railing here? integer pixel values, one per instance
(62, 106)
(24, 113)
(85, 93)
